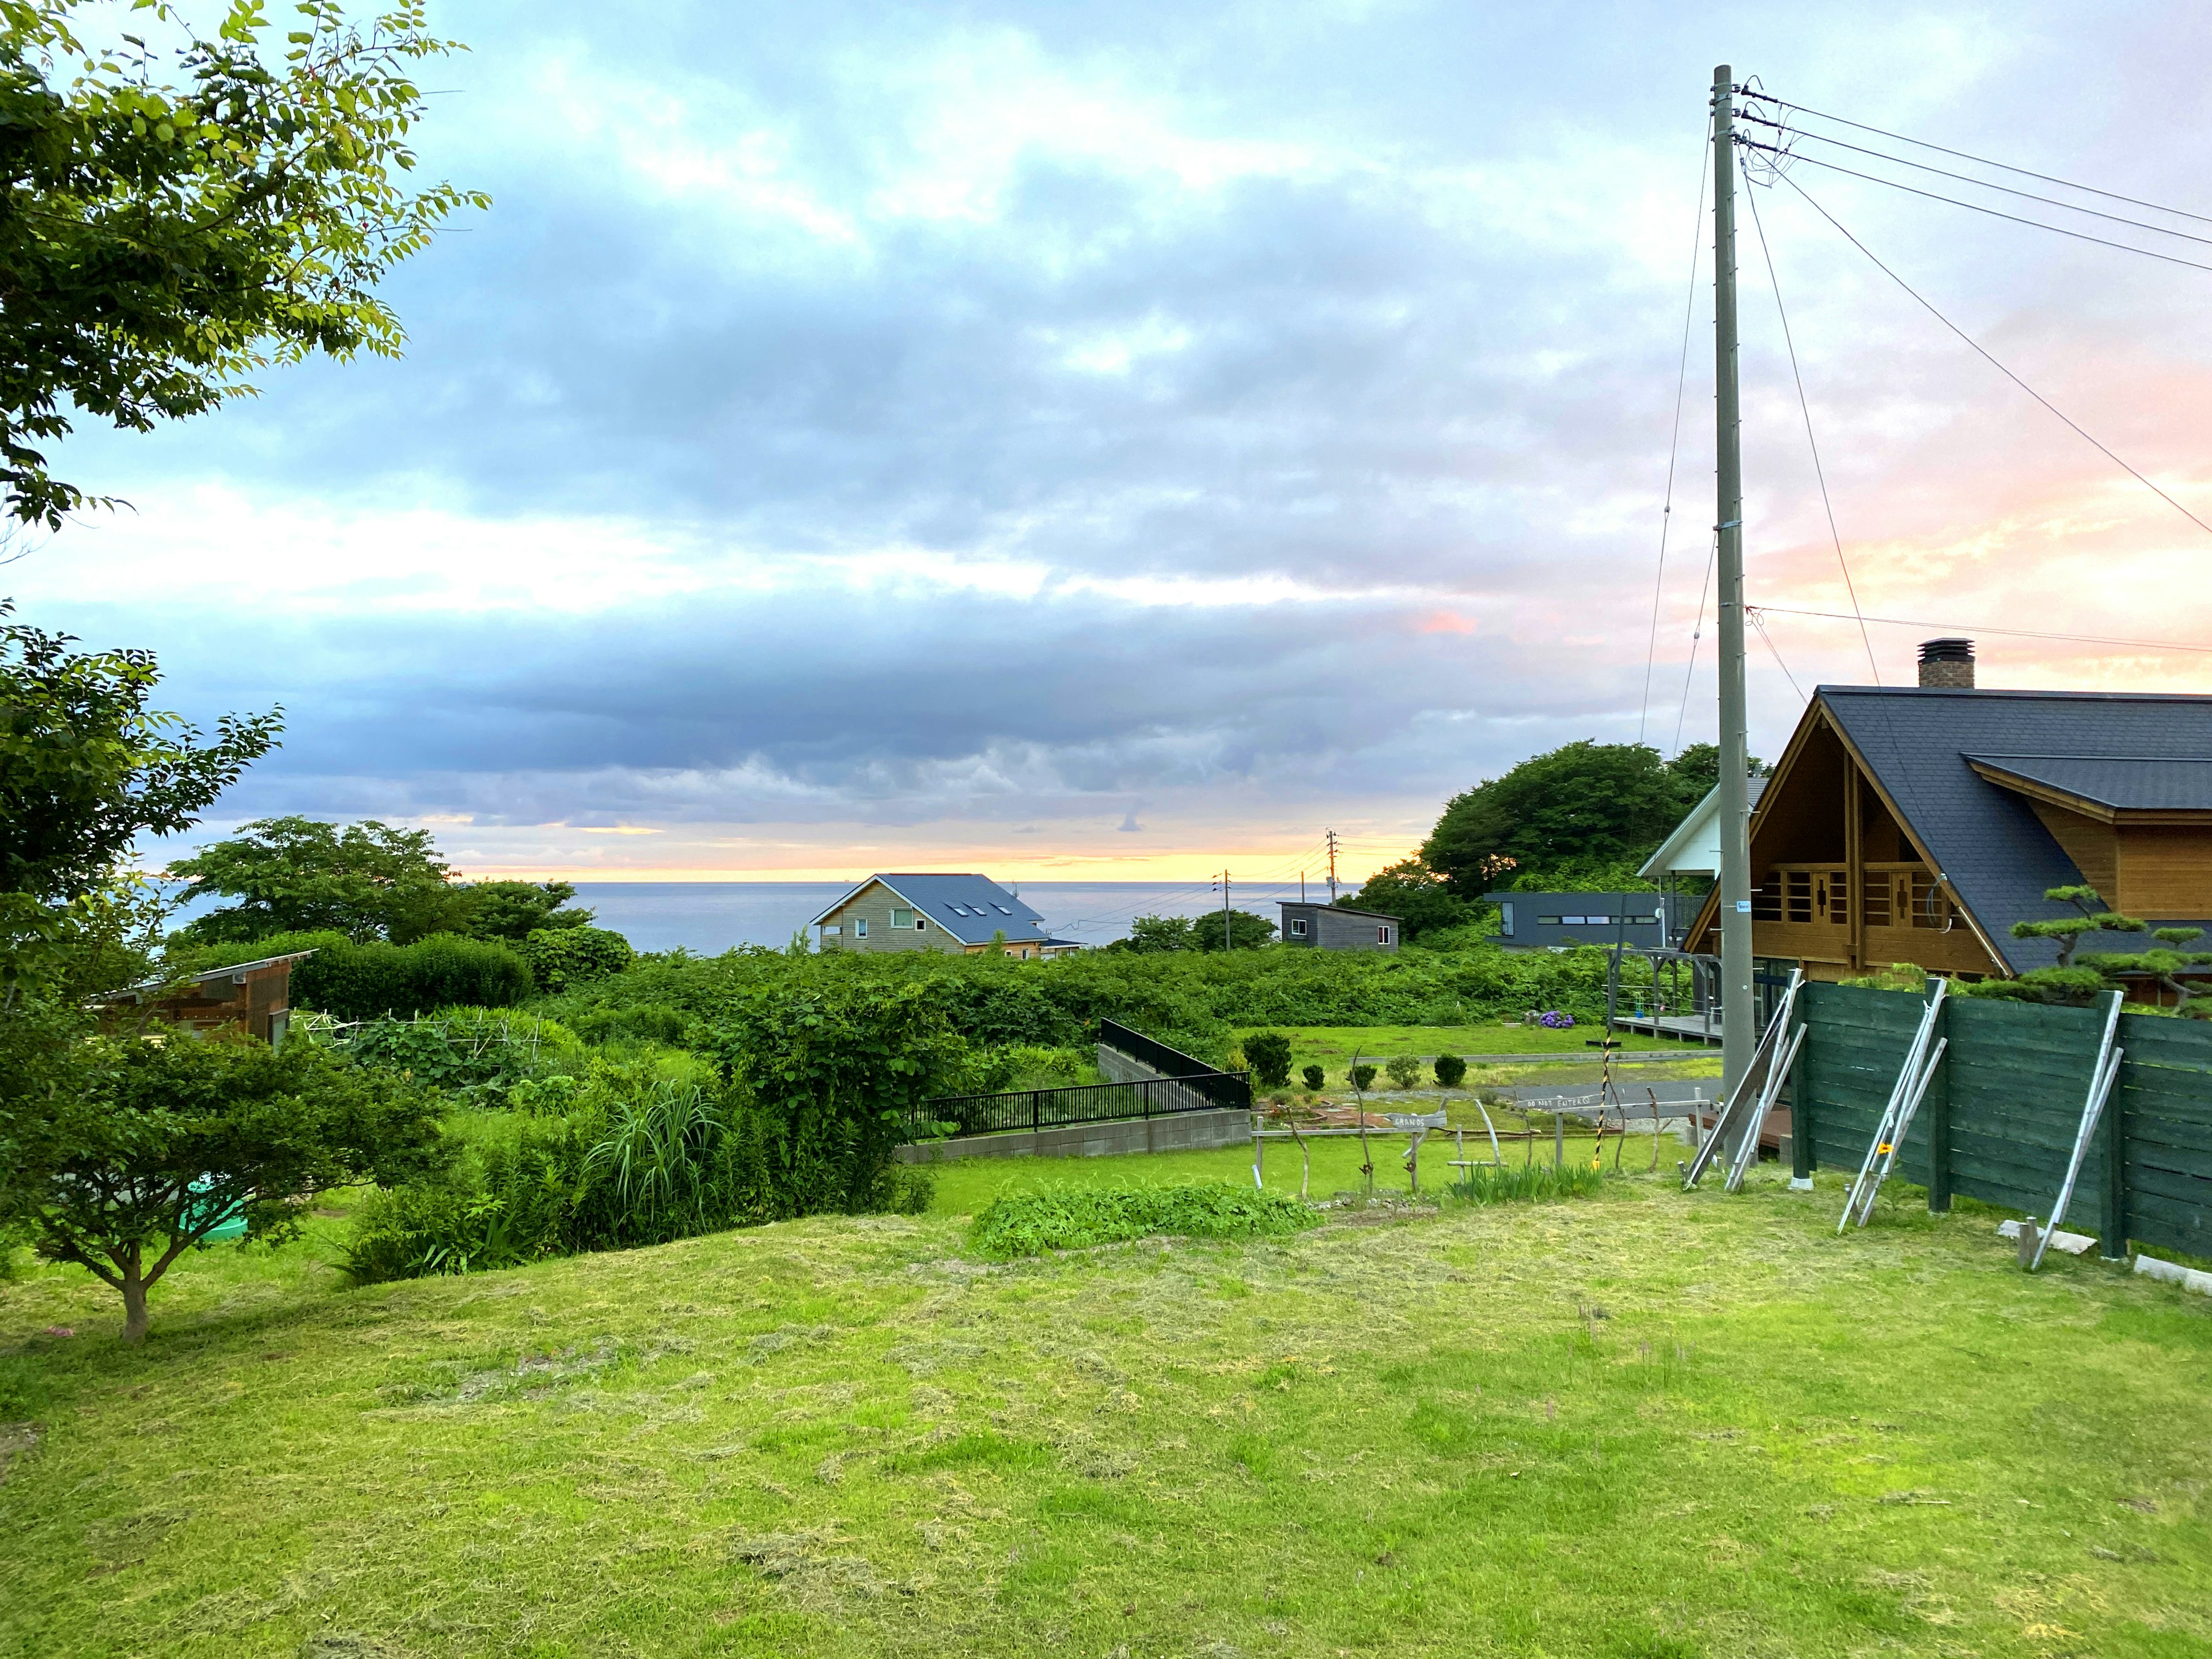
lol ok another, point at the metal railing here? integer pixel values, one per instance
(1094, 1102)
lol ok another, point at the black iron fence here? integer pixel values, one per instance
(1094, 1102)
(1230, 1091)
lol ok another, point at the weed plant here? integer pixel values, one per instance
(1526, 1183)
(1068, 1217)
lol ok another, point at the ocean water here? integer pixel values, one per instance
(713, 916)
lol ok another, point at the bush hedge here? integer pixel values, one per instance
(560, 957)
(370, 980)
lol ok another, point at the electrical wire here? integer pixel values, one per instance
(1696, 634)
(1674, 443)
(1972, 207)
(1930, 308)
(1754, 615)
(1965, 156)
(1984, 628)
(1969, 178)
(1806, 408)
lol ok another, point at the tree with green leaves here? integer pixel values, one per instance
(87, 767)
(2079, 977)
(366, 880)
(178, 217)
(1149, 935)
(1578, 817)
(1422, 899)
(153, 1141)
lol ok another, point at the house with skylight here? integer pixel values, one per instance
(962, 915)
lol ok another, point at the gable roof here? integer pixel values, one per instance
(969, 907)
(1920, 745)
(2105, 786)
(1690, 834)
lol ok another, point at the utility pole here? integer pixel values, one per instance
(1224, 910)
(1739, 1034)
(1331, 864)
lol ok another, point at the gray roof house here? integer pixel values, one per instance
(1337, 927)
(960, 914)
(1918, 824)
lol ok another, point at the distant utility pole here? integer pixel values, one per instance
(1224, 910)
(1331, 834)
(1739, 1034)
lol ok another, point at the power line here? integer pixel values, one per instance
(1984, 628)
(1969, 178)
(1970, 207)
(1964, 155)
(1993, 363)
(1819, 471)
(1674, 443)
(1752, 612)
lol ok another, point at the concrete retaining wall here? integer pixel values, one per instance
(1183, 1132)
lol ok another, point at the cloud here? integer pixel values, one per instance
(872, 428)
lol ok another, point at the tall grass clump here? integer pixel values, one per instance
(1529, 1183)
(1071, 1217)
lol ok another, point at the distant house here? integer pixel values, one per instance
(1338, 928)
(959, 914)
(252, 997)
(1918, 824)
(1557, 922)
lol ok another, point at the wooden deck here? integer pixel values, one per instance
(1685, 1027)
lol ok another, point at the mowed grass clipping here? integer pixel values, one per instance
(1068, 1217)
(1645, 1423)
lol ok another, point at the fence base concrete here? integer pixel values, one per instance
(1181, 1132)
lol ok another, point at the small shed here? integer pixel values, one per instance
(253, 997)
(1338, 928)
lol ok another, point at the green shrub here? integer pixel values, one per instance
(1405, 1071)
(1071, 1217)
(1268, 1054)
(376, 980)
(1314, 1077)
(560, 957)
(1362, 1078)
(644, 1022)
(1451, 1070)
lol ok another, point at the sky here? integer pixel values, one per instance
(1124, 442)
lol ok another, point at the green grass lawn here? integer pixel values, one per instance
(1647, 1424)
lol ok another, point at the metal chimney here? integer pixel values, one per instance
(1947, 665)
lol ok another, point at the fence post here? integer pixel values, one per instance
(2112, 1145)
(1802, 1159)
(1938, 1104)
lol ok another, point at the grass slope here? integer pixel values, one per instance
(1644, 1424)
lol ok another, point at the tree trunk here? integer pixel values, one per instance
(133, 1298)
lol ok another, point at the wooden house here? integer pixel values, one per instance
(253, 997)
(964, 914)
(1918, 824)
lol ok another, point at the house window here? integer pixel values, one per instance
(901, 918)
(1297, 927)
(860, 927)
(1382, 935)
(920, 923)
(831, 930)
(1506, 918)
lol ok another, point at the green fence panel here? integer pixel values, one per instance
(2165, 1120)
(2006, 1104)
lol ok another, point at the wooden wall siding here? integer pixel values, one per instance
(876, 902)
(2093, 847)
(2164, 871)
(1999, 1121)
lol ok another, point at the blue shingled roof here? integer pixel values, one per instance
(969, 907)
(1985, 839)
